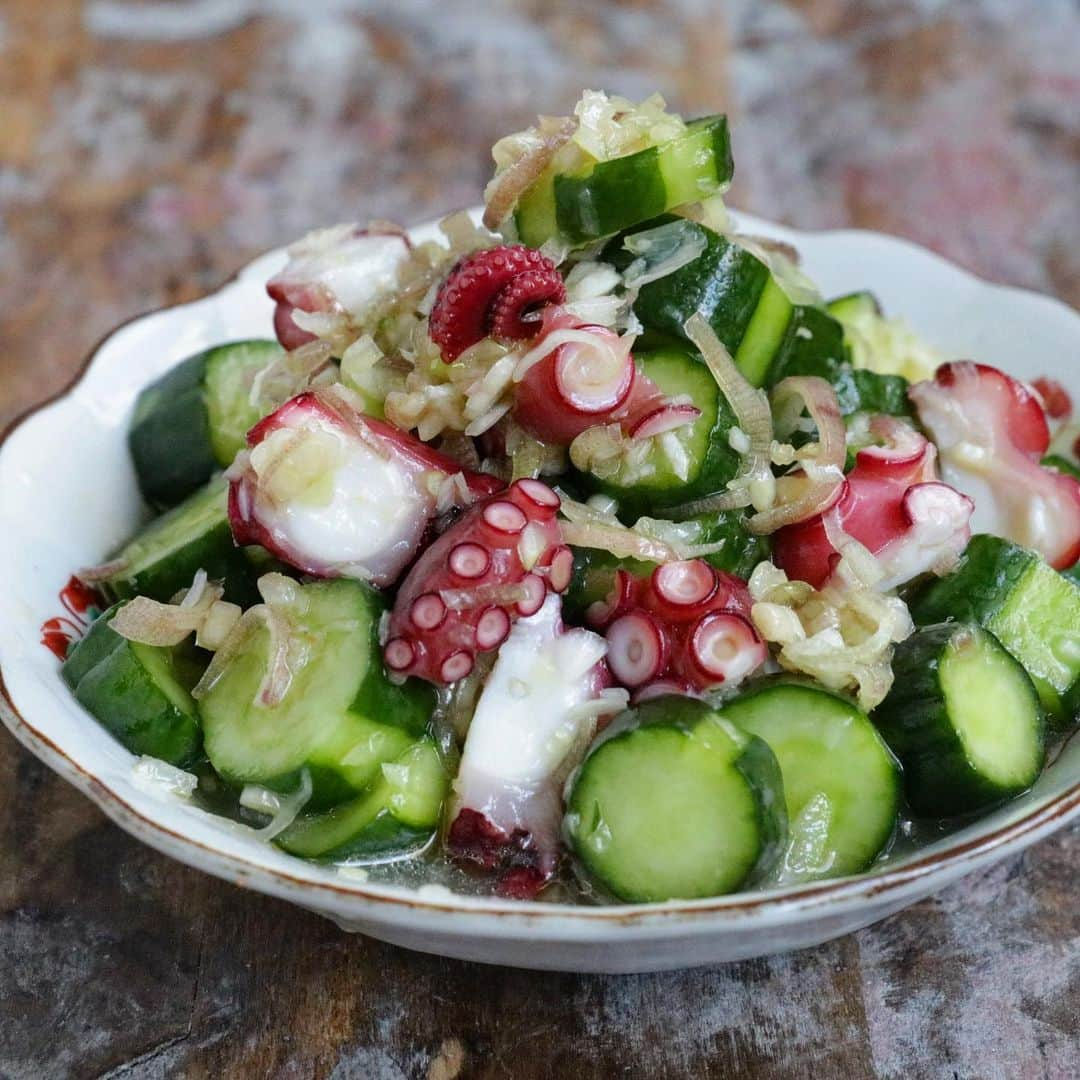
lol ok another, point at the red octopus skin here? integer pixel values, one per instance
(496, 563)
(257, 519)
(333, 271)
(488, 292)
(560, 394)
(686, 626)
(874, 508)
(991, 432)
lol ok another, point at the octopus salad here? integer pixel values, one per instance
(588, 547)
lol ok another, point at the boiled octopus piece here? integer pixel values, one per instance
(537, 713)
(497, 292)
(992, 433)
(578, 376)
(685, 629)
(336, 493)
(892, 504)
(496, 564)
(334, 271)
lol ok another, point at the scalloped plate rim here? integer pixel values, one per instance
(372, 905)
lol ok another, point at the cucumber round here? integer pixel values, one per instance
(608, 196)
(192, 421)
(341, 718)
(1027, 605)
(675, 802)
(138, 693)
(724, 284)
(230, 373)
(855, 305)
(841, 783)
(169, 438)
(964, 719)
(397, 815)
(654, 484)
(163, 558)
(817, 344)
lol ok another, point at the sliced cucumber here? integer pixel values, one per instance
(767, 335)
(341, 717)
(862, 391)
(816, 344)
(169, 437)
(841, 783)
(674, 801)
(878, 344)
(1029, 607)
(138, 693)
(608, 196)
(230, 374)
(192, 421)
(855, 305)
(964, 719)
(708, 460)
(163, 558)
(397, 815)
(727, 285)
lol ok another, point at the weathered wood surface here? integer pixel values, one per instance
(148, 150)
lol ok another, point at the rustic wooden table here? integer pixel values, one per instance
(147, 150)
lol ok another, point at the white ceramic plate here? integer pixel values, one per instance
(68, 496)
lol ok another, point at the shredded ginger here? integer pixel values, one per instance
(842, 635)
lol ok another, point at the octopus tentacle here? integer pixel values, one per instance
(336, 493)
(496, 564)
(685, 629)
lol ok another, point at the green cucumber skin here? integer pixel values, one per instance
(172, 562)
(215, 552)
(761, 770)
(813, 345)
(677, 371)
(939, 780)
(621, 193)
(804, 700)
(825, 354)
(859, 390)
(989, 570)
(375, 823)
(854, 303)
(728, 285)
(385, 835)
(742, 549)
(169, 437)
(336, 709)
(110, 680)
(587, 208)
(85, 654)
(980, 589)
(756, 764)
(593, 576)
(1061, 465)
(724, 283)
(406, 705)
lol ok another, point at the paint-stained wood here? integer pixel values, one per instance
(147, 150)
